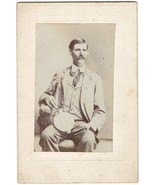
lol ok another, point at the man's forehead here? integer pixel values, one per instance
(80, 45)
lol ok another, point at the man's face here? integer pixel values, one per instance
(79, 54)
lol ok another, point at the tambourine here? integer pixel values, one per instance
(64, 121)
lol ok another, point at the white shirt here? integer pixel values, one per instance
(74, 68)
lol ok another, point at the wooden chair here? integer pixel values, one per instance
(67, 146)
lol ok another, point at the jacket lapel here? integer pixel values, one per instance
(86, 81)
(64, 81)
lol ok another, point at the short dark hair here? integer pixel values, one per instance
(76, 41)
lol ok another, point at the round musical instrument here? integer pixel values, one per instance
(64, 121)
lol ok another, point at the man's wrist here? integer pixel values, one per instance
(92, 127)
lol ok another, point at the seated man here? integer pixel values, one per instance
(75, 99)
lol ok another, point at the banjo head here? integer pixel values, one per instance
(64, 121)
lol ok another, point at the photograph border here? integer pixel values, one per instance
(121, 165)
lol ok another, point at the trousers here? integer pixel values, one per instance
(82, 137)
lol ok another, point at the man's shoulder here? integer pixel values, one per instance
(63, 71)
(93, 74)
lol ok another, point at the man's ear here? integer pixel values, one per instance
(70, 51)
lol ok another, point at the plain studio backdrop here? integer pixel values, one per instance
(52, 55)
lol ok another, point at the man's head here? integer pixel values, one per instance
(79, 50)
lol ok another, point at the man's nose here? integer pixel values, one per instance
(81, 52)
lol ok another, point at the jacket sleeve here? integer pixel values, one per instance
(50, 92)
(46, 110)
(99, 114)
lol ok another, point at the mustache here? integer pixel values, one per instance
(81, 57)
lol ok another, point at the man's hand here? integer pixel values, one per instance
(91, 126)
(45, 109)
(50, 101)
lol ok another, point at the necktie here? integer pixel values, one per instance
(76, 78)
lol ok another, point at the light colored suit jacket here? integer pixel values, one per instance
(91, 100)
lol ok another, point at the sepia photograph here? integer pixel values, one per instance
(74, 87)
(77, 92)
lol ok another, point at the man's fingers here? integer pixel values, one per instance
(53, 102)
(50, 101)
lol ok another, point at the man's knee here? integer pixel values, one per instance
(44, 135)
(48, 134)
(88, 137)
